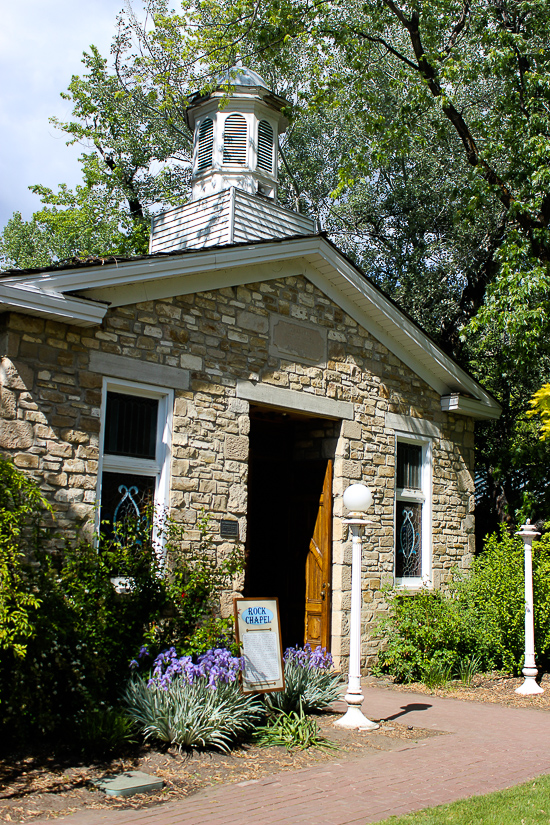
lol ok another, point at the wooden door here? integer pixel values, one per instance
(319, 570)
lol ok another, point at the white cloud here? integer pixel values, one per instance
(41, 45)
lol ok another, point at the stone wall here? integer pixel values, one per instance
(283, 333)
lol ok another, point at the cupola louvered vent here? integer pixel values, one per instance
(234, 140)
(206, 142)
(265, 146)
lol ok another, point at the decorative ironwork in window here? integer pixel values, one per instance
(206, 143)
(126, 502)
(130, 464)
(265, 146)
(408, 561)
(234, 140)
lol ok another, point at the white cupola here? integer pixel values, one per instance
(234, 179)
(236, 136)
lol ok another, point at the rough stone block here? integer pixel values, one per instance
(236, 447)
(16, 435)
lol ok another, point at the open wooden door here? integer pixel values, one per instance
(319, 571)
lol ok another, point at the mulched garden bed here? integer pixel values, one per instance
(40, 786)
(488, 687)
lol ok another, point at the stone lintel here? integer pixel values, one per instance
(293, 400)
(415, 426)
(133, 369)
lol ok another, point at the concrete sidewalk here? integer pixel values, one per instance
(488, 747)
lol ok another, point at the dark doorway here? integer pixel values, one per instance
(288, 461)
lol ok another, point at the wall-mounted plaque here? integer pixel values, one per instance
(258, 632)
(229, 528)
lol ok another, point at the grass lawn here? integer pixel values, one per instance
(527, 804)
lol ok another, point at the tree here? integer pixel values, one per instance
(83, 223)
(136, 159)
(420, 138)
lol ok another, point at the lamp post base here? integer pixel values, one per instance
(529, 687)
(354, 717)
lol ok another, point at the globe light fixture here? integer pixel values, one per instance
(357, 499)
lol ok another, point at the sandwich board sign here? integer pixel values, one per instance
(258, 632)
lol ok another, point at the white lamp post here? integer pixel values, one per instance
(529, 687)
(357, 499)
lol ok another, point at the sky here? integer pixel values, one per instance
(41, 45)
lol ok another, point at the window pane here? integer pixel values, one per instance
(131, 425)
(408, 562)
(409, 464)
(125, 499)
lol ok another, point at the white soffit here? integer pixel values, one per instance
(28, 299)
(160, 277)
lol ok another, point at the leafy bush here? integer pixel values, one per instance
(21, 505)
(495, 592)
(310, 683)
(480, 620)
(193, 704)
(76, 632)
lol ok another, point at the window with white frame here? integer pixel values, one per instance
(134, 460)
(413, 512)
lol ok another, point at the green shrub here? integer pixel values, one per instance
(477, 624)
(21, 505)
(428, 631)
(310, 683)
(494, 593)
(192, 715)
(76, 632)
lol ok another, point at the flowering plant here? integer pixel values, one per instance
(318, 659)
(216, 666)
(310, 683)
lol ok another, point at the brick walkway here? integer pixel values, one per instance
(488, 747)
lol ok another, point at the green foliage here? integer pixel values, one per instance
(194, 584)
(540, 405)
(479, 624)
(81, 223)
(291, 730)
(425, 633)
(67, 636)
(103, 732)
(309, 689)
(21, 506)
(468, 667)
(192, 715)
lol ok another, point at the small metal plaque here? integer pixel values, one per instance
(229, 529)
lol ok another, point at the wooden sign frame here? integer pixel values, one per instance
(258, 634)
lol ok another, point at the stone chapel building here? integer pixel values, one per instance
(247, 367)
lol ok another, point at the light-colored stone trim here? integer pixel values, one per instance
(292, 400)
(160, 375)
(408, 424)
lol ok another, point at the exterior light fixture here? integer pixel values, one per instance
(357, 499)
(530, 687)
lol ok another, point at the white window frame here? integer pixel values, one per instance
(423, 496)
(159, 467)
